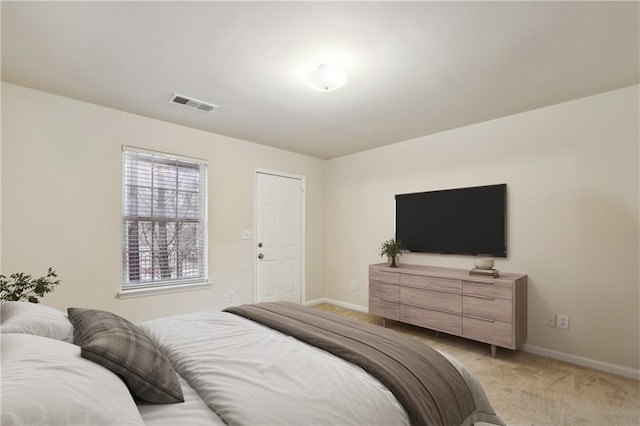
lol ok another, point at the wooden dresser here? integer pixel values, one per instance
(490, 310)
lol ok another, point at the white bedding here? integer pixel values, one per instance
(231, 371)
(46, 382)
(252, 375)
(193, 411)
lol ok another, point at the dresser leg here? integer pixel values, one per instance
(493, 351)
(384, 322)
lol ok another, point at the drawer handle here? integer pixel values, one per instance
(482, 282)
(384, 281)
(430, 289)
(428, 308)
(388, 300)
(480, 297)
(479, 318)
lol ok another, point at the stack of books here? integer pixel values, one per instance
(485, 272)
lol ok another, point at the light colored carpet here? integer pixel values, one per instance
(528, 389)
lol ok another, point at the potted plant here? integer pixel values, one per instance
(391, 249)
(21, 286)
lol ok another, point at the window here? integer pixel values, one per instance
(164, 218)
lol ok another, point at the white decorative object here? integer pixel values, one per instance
(484, 263)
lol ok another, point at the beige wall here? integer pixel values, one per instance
(573, 205)
(573, 208)
(61, 202)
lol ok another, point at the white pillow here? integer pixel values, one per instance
(33, 318)
(47, 382)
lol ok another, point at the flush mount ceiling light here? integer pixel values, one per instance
(327, 78)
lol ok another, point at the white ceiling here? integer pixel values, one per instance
(415, 68)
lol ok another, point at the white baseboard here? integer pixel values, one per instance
(584, 362)
(338, 303)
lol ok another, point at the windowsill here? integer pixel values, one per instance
(152, 291)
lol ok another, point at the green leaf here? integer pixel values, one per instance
(21, 286)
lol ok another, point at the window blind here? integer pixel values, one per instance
(164, 219)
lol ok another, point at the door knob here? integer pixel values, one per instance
(260, 256)
(259, 244)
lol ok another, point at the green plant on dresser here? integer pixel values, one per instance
(391, 249)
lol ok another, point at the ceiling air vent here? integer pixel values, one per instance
(192, 103)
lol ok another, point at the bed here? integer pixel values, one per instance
(261, 364)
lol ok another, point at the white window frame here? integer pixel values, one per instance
(163, 284)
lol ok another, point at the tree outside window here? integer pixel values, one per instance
(164, 218)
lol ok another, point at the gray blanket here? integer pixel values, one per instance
(429, 387)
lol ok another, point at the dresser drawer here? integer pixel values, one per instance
(490, 308)
(435, 320)
(431, 299)
(384, 276)
(493, 332)
(380, 290)
(384, 308)
(497, 289)
(434, 283)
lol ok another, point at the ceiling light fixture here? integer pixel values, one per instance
(327, 78)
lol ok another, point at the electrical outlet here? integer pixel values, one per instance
(563, 321)
(550, 320)
(353, 286)
(231, 296)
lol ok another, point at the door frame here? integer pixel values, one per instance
(303, 232)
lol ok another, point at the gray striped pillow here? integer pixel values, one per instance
(120, 346)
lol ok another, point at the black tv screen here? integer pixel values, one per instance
(454, 221)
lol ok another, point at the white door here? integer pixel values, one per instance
(279, 202)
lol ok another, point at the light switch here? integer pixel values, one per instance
(246, 234)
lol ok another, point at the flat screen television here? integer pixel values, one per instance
(469, 221)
